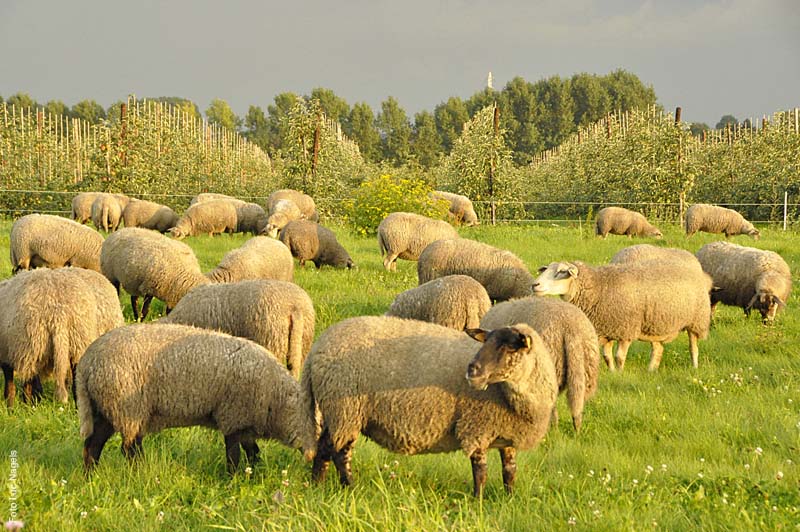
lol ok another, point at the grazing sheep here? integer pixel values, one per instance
(278, 315)
(281, 213)
(141, 379)
(746, 277)
(303, 201)
(455, 301)
(258, 258)
(211, 196)
(713, 219)
(47, 320)
(403, 235)
(619, 221)
(82, 206)
(149, 215)
(401, 383)
(52, 241)
(310, 241)
(652, 301)
(122, 199)
(148, 264)
(568, 335)
(461, 209)
(250, 218)
(644, 252)
(207, 217)
(501, 272)
(106, 212)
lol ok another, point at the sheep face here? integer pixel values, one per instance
(177, 233)
(501, 354)
(753, 232)
(275, 223)
(655, 233)
(555, 279)
(767, 304)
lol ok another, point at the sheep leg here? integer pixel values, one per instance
(508, 457)
(608, 351)
(135, 307)
(251, 449)
(32, 390)
(146, 306)
(232, 450)
(478, 459)
(622, 352)
(93, 445)
(323, 457)
(10, 390)
(74, 384)
(115, 284)
(655, 356)
(132, 447)
(389, 262)
(693, 349)
(341, 459)
(554, 416)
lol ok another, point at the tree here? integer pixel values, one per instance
(277, 116)
(628, 92)
(256, 128)
(697, 128)
(426, 145)
(220, 113)
(725, 120)
(395, 131)
(89, 110)
(450, 119)
(592, 100)
(188, 107)
(518, 111)
(22, 100)
(57, 107)
(363, 131)
(556, 119)
(334, 107)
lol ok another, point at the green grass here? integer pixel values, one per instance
(680, 449)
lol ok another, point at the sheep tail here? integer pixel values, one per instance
(85, 410)
(106, 218)
(294, 355)
(382, 245)
(312, 414)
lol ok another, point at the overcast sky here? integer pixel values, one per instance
(713, 57)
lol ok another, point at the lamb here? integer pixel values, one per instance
(644, 252)
(401, 383)
(52, 241)
(461, 209)
(82, 206)
(250, 218)
(747, 277)
(310, 241)
(258, 258)
(149, 215)
(106, 213)
(211, 217)
(148, 264)
(501, 272)
(620, 221)
(48, 319)
(568, 335)
(141, 379)
(303, 201)
(713, 219)
(403, 235)
(652, 301)
(278, 315)
(281, 213)
(211, 196)
(455, 301)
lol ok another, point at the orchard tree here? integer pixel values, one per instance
(334, 107)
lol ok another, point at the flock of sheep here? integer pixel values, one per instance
(236, 350)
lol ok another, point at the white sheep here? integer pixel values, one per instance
(52, 241)
(207, 217)
(211, 196)
(455, 301)
(82, 206)
(644, 252)
(149, 215)
(303, 201)
(621, 221)
(258, 258)
(404, 235)
(461, 209)
(281, 212)
(106, 212)
(714, 219)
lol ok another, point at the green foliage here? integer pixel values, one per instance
(726, 120)
(221, 114)
(380, 196)
(22, 100)
(450, 119)
(88, 110)
(697, 128)
(395, 131)
(364, 132)
(425, 143)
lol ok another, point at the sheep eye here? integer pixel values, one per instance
(542, 269)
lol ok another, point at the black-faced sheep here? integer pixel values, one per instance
(713, 219)
(401, 383)
(747, 277)
(455, 301)
(141, 379)
(207, 217)
(501, 272)
(461, 209)
(149, 215)
(258, 258)
(52, 241)
(620, 221)
(310, 241)
(404, 235)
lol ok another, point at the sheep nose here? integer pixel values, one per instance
(473, 369)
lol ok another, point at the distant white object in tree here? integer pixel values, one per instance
(489, 81)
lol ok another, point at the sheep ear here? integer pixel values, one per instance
(777, 300)
(751, 303)
(477, 334)
(526, 340)
(572, 270)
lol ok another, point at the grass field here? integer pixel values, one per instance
(715, 448)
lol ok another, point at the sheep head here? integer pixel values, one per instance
(502, 354)
(555, 279)
(766, 303)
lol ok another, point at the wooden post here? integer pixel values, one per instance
(315, 154)
(123, 123)
(677, 116)
(496, 130)
(785, 208)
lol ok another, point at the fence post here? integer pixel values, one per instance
(496, 129)
(785, 208)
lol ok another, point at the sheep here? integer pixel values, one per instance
(303, 201)
(82, 206)
(620, 221)
(652, 301)
(122, 199)
(250, 218)
(211, 217)
(258, 258)
(455, 301)
(278, 315)
(149, 215)
(310, 241)
(52, 241)
(713, 219)
(211, 196)
(644, 252)
(401, 383)
(106, 212)
(148, 264)
(501, 272)
(281, 213)
(141, 379)
(461, 209)
(403, 235)
(48, 319)
(747, 277)
(568, 335)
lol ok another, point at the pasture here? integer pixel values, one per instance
(716, 448)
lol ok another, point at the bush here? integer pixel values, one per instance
(380, 196)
